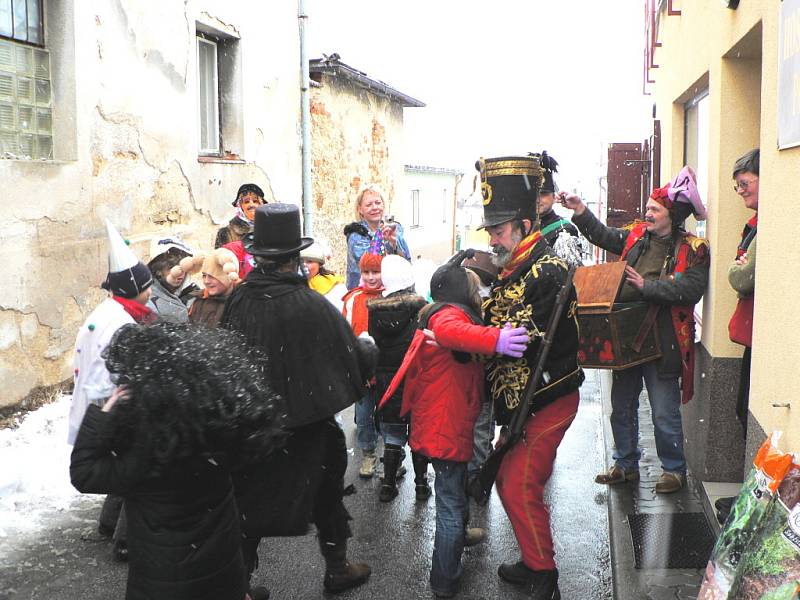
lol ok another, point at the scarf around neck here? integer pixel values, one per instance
(139, 312)
(521, 253)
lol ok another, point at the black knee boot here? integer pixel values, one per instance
(392, 455)
(423, 490)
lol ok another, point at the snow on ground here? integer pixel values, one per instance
(34, 478)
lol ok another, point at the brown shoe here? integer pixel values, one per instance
(474, 535)
(616, 475)
(669, 482)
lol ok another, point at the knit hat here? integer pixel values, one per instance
(314, 252)
(396, 274)
(221, 264)
(161, 244)
(450, 282)
(127, 275)
(370, 262)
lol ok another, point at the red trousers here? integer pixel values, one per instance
(524, 473)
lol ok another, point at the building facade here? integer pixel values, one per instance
(357, 139)
(428, 212)
(150, 118)
(716, 89)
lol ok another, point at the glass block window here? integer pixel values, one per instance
(26, 117)
(22, 20)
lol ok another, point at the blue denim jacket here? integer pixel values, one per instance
(358, 244)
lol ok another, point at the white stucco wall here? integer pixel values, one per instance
(126, 137)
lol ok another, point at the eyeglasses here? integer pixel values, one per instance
(742, 184)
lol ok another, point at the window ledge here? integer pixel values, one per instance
(37, 161)
(225, 160)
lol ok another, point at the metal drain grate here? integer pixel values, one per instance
(671, 540)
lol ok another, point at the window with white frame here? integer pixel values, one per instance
(696, 128)
(219, 94)
(415, 208)
(22, 20)
(208, 95)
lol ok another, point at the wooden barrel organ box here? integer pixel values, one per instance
(612, 335)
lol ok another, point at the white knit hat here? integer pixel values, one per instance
(396, 273)
(314, 252)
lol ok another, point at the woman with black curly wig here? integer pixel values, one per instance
(191, 403)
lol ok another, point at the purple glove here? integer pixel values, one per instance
(512, 342)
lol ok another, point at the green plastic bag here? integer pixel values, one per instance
(770, 566)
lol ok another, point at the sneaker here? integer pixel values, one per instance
(368, 464)
(423, 492)
(669, 482)
(616, 475)
(401, 471)
(474, 535)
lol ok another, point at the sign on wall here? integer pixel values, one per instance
(789, 75)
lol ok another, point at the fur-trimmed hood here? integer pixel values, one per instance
(388, 316)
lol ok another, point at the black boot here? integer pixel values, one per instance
(341, 574)
(542, 585)
(392, 455)
(423, 490)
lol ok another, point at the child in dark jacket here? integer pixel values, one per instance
(392, 324)
(443, 392)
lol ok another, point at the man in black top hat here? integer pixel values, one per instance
(319, 368)
(248, 199)
(524, 294)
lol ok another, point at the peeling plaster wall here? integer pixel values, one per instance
(357, 139)
(131, 111)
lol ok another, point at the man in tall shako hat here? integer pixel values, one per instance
(524, 294)
(667, 267)
(557, 231)
(319, 368)
(129, 281)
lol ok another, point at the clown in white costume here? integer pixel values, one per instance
(129, 281)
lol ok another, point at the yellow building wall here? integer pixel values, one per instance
(734, 53)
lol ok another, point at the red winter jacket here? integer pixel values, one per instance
(443, 395)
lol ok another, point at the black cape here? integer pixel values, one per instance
(315, 362)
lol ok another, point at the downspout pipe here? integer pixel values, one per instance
(305, 120)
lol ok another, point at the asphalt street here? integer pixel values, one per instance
(67, 559)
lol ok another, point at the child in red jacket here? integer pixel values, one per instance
(443, 392)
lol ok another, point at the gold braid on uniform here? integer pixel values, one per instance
(508, 377)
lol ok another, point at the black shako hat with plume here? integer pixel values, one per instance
(550, 167)
(510, 188)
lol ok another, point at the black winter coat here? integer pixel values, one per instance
(684, 291)
(315, 361)
(184, 539)
(392, 324)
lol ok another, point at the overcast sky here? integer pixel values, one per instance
(501, 77)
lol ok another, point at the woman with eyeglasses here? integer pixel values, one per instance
(742, 278)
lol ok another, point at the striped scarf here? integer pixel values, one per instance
(521, 253)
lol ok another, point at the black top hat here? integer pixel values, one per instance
(549, 166)
(510, 188)
(245, 188)
(276, 231)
